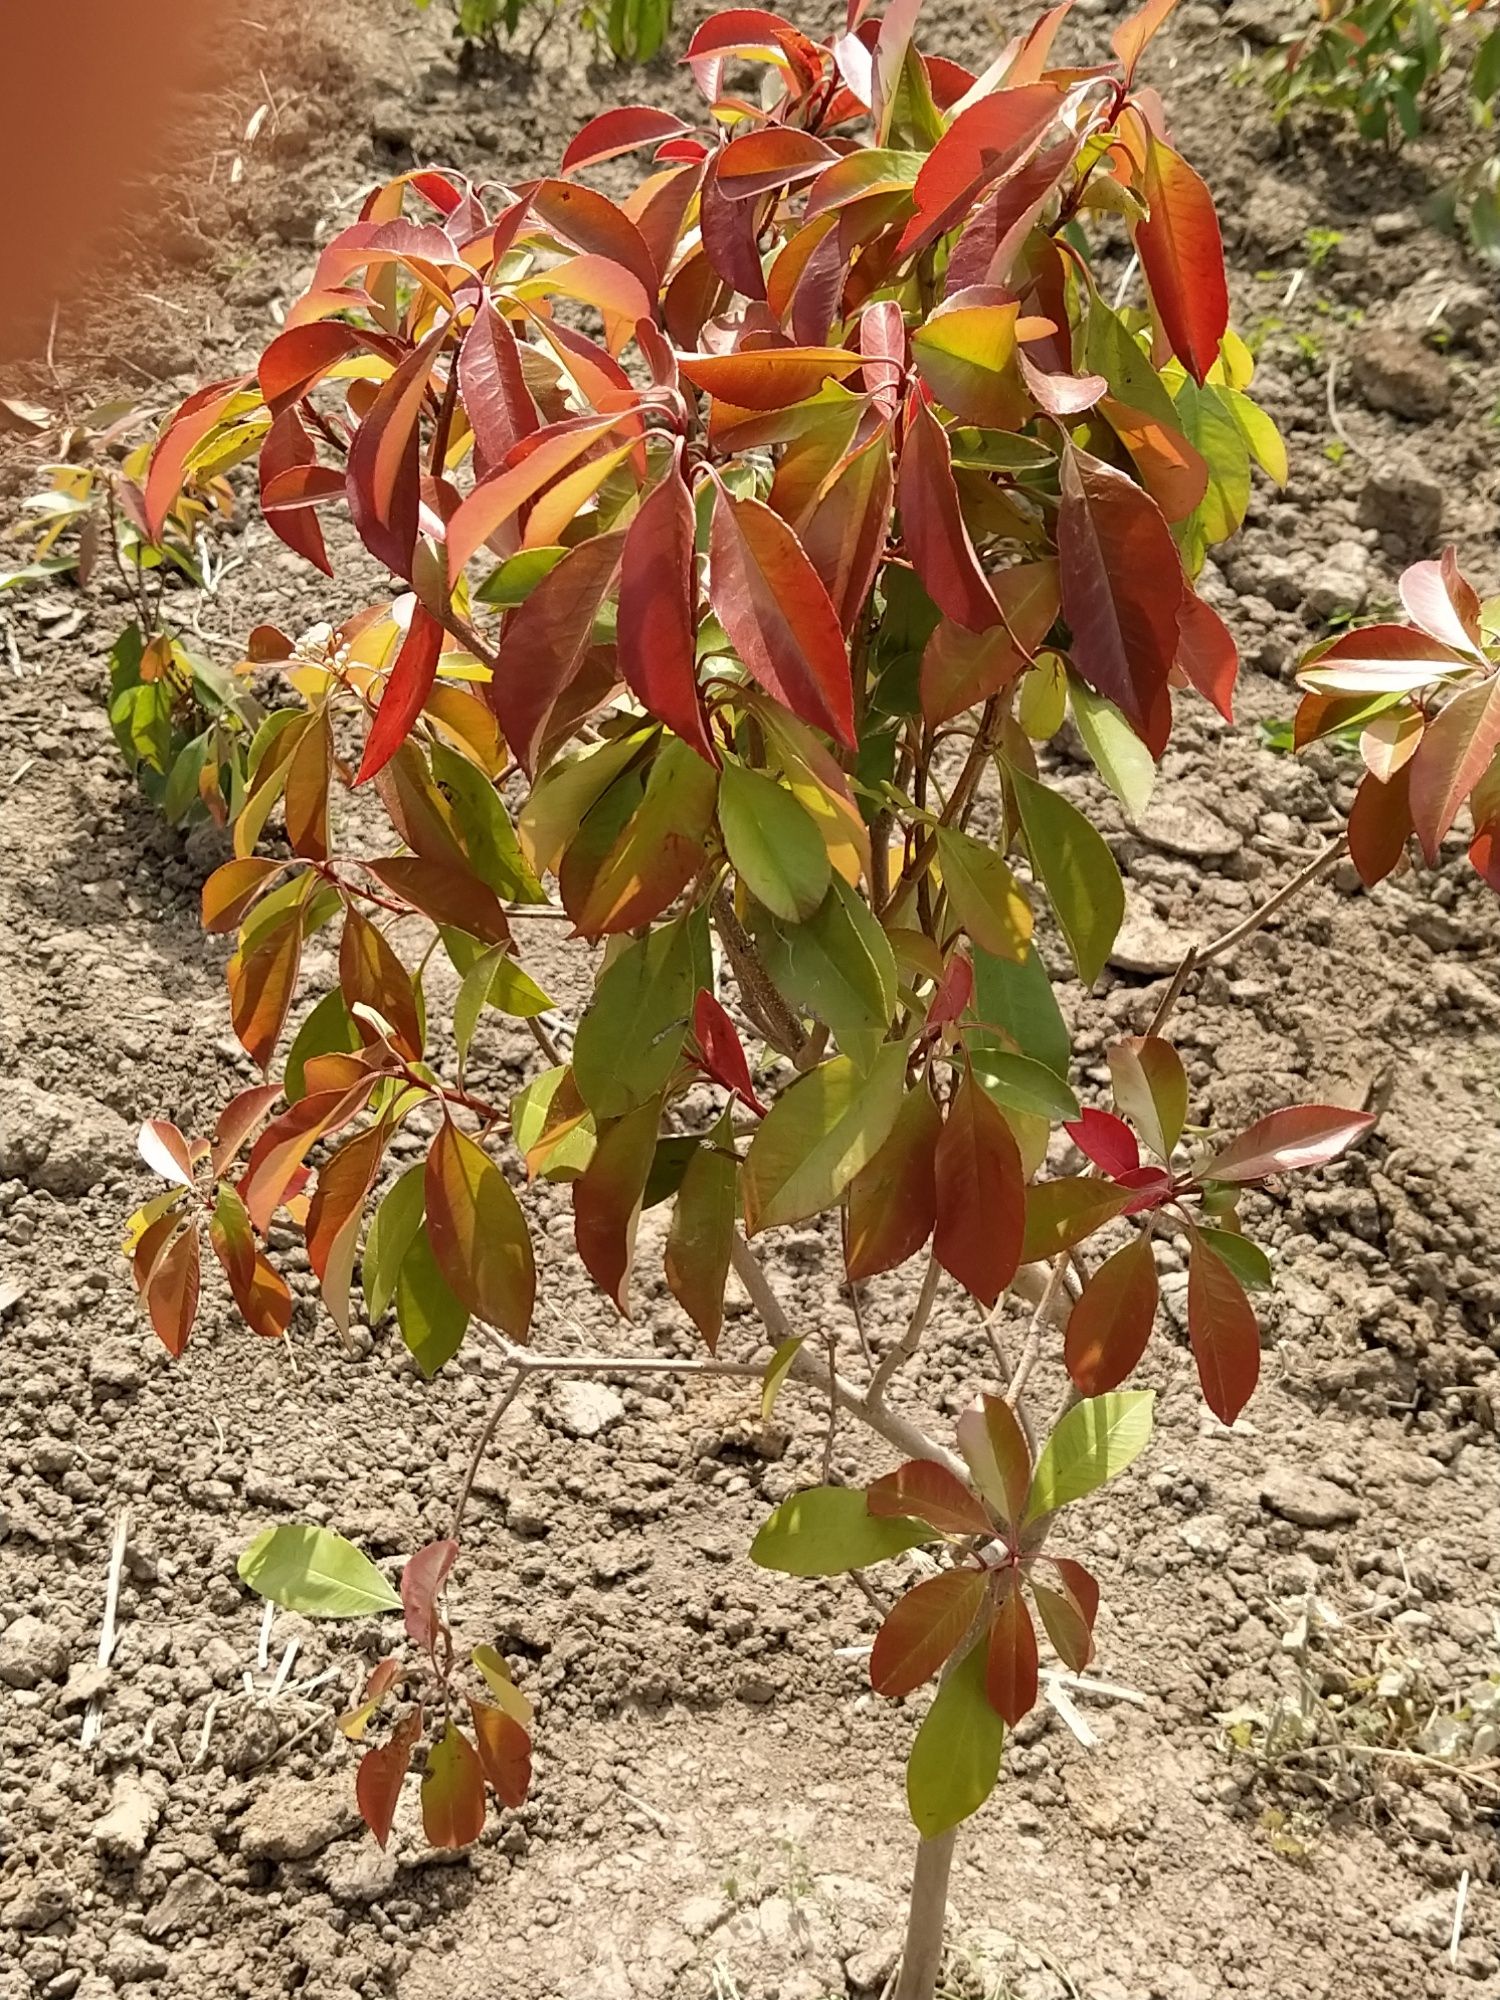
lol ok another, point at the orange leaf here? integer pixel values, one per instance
(371, 975)
(261, 986)
(478, 1233)
(1011, 1668)
(453, 1791)
(407, 688)
(171, 1290)
(981, 1196)
(922, 1628)
(1183, 258)
(1111, 1322)
(607, 1199)
(1380, 824)
(233, 887)
(933, 1494)
(504, 1752)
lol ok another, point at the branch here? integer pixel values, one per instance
(772, 1016)
(906, 1346)
(1221, 946)
(1032, 1345)
(809, 1367)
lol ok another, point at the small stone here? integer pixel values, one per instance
(190, 1903)
(1182, 826)
(1401, 498)
(291, 1820)
(391, 124)
(1306, 1501)
(115, 1372)
(60, 1143)
(1340, 582)
(360, 1873)
(1428, 1921)
(1425, 1820)
(868, 1969)
(1396, 372)
(132, 1959)
(40, 1901)
(124, 1833)
(1394, 223)
(1145, 945)
(32, 1651)
(702, 1914)
(586, 1409)
(87, 1682)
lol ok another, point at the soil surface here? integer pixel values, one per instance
(718, 1805)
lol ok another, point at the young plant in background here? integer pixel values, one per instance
(633, 30)
(183, 724)
(731, 631)
(1378, 63)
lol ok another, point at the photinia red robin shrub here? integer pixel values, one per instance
(750, 534)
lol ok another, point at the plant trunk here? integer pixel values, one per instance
(926, 1917)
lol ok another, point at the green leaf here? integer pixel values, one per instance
(515, 579)
(1095, 1440)
(392, 1229)
(431, 1319)
(840, 967)
(826, 1530)
(485, 825)
(819, 1134)
(329, 1029)
(1247, 1260)
(986, 898)
(1077, 870)
(777, 1369)
(1023, 1084)
(1120, 757)
(530, 1110)
(314, 1571)
(773, 843)
(1211, 426)
(955, 1756)
(181, 791)
(1262, 439)
(630, 1038)
(1019, 1000)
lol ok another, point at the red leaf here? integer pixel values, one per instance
(188, 428)
(933, 526)
(1121, 591)
(1011, 1668)
(1183, 258)
(1107, 1141)
(278, 1154)
(995, 1450)
(1453, 755)
(1223, 1332)
(504, 1752)
(299, 357)
(1132, 35)
(407, 687)
(1303, 1135)
(497, 401)
(261, 1293)
(453, 1792)
(892, 1200)
(984, 253)
(657, 628)
(422, 1580)
(1111, 1322)
(371, 975)
(239, 1119)
(1206, 652)
(952, 995)
(478, 1233)
(448, 894)
(261, 985)
(1067, 1628)
(287, 448)
(773, 157)
(932, 1494)
(1381, 659)
(547, 640)
(384, 475)
(991, 138)
(1380, 824)
(171, 1290)
(345, 1180)
(1443, 602)
(772, 603)
(922, 1628)
(981, 1196)
(728, 230)
(593, 222)
(720, 1049)
(607, 1199)
(1484, 853)
(845, 533)
(621, 130)
(377, 1784)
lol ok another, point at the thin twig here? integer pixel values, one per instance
(907, 1345)
(93, 1715)
(907, 1437)
(1335, 420)
(1032, 1345)
(544, 1041)
(1196, 956)
(481, 1445)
